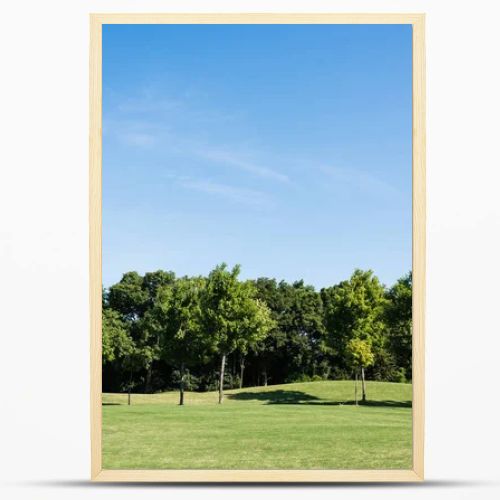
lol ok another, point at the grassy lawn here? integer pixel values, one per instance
(294, 426)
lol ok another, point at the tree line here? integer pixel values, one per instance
(162, 332)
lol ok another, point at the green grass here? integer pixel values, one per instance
(312, 425)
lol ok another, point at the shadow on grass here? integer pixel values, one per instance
(275, 397)
(384, 403)
(281, 397)
(112, 404)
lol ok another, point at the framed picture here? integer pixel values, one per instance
(257, 247)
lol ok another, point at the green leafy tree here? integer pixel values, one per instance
(361, 356)
(178, 318)
(355, 310)
(118, 346)
(128, 297)
(116, 341)
(398, 317)
(265, 353)
(233, 317)
(152, 285)
(293, 350)
(134, 297)
(302, 322)
(151, 324)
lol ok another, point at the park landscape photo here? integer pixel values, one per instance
(257, 247)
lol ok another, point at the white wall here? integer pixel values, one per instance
(44, 442)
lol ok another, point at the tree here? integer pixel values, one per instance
(302, 322)
(355, 310)
(118, 346)
(293, 350)
(116, 341)
(233, 317)
(265, 353)
(152, 285)
(361, 356)
(134, 296)
(128, 297)
(278, 332)
(398, 317)
(178, 317)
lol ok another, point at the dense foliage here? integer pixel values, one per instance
(161, 332)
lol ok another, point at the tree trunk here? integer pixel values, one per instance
(149, 371)
(265, 377)
(242, 370)
(181, 386)
(356, 387)
(363, 389)
(221, 380)
(129, 387)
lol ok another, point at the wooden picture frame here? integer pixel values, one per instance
(416, 473)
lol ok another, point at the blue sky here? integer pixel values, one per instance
(284, 148)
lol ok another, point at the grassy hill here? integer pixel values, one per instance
(312, 425)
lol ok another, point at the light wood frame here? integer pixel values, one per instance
(95, 213)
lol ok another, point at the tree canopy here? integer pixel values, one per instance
(163, 332)
(235, 319)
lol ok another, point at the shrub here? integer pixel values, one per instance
(302, 377)
(191, 382)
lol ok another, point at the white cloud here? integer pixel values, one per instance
(148, 99)
(233, 160)
(238, 195)
(138, 139)
(360, 180)
(135, 133)
(166, 128)
(147, 105)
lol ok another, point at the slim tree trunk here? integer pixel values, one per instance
(181, 386)
(242, 370)
(265, 377)
(363, 389)
(149, 372)
(356, 387)
(129, 387)
(221, 380)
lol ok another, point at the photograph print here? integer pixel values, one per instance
(257, 247)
